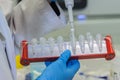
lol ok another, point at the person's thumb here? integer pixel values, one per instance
(65, 56)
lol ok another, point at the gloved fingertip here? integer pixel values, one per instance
(65, 56)
(67, 52)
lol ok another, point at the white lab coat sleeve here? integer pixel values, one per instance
(5, 72)
(7, 50)
(33, 19)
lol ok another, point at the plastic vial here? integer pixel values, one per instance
(34, 43)
(68, 45)
(90, 42)
(51, 42)
(73, 43)
(82, 43)
(99, 41)
(88, 34)
(60, 43)
(43, 43)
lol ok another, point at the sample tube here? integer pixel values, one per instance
(99, 41)
(51, 42)
(60, 43)
(34, 43)
(82, 43)
(90, 42)
(43, 45)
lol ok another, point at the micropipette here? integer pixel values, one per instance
(69, 4)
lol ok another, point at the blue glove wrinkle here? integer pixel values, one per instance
(71, 62)
(73, 66)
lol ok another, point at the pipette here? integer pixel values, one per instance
(69, 5)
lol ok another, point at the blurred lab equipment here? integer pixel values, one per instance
(78, 4)
(95, 77)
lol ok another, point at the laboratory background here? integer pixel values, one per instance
(89, 17)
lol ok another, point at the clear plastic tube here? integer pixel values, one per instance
(60, 43)
(82, 43)
(51, 42)
(99, 41)
(34, 43)
(43, 43)
(90, 42)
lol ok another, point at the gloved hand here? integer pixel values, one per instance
(61, 69)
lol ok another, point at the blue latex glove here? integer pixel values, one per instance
(61, 69)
